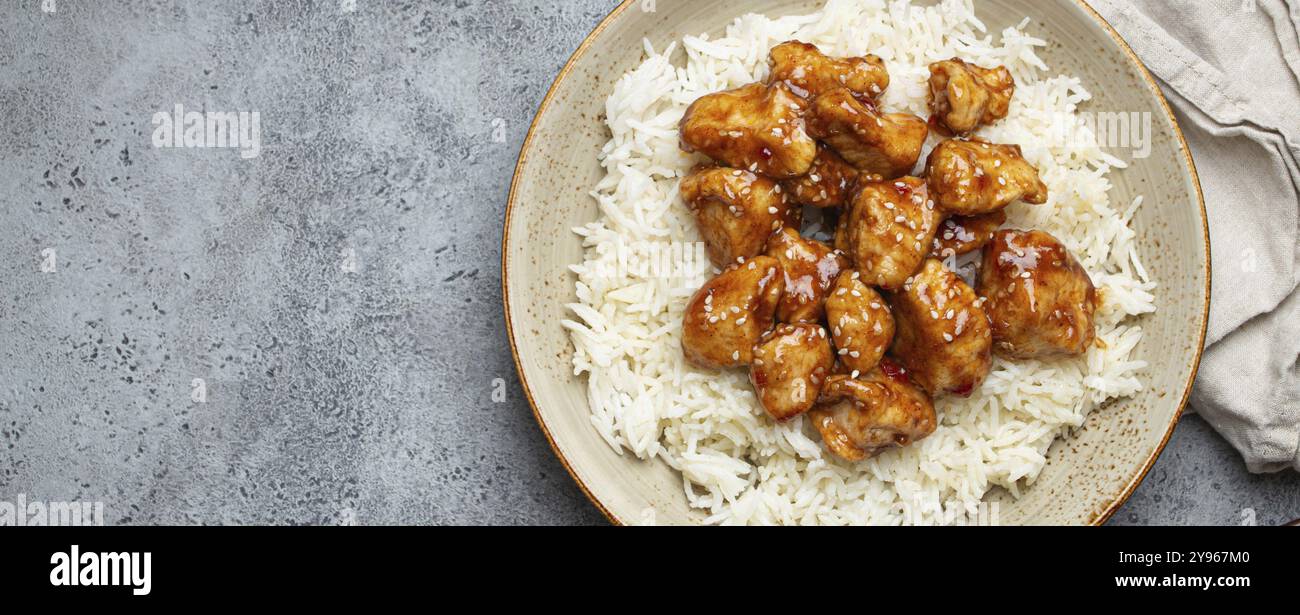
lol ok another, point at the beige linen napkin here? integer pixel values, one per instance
(1231, 70)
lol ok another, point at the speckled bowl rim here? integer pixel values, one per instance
(1152, 86)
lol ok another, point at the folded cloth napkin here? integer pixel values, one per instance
(1231, 70)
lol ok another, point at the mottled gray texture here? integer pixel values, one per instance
(332, 396)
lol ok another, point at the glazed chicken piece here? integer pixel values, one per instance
(810, 73)
(862, 417)
(828, 183)
(810, 269)
(942, 334)
(976, 177)
(861, 324)
(736, 211)
(756, 127)
(960, 235)
(791, 363)
(885, 144)
(731, 313)
(964, 96)
(888, 229)
(1040, 300)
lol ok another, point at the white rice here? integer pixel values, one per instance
(738, 465)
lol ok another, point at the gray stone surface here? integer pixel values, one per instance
(338, 295)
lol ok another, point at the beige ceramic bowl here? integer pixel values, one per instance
(1088, 476)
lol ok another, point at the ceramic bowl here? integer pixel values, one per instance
(1088, 475)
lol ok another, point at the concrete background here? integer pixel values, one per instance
(338, 295)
